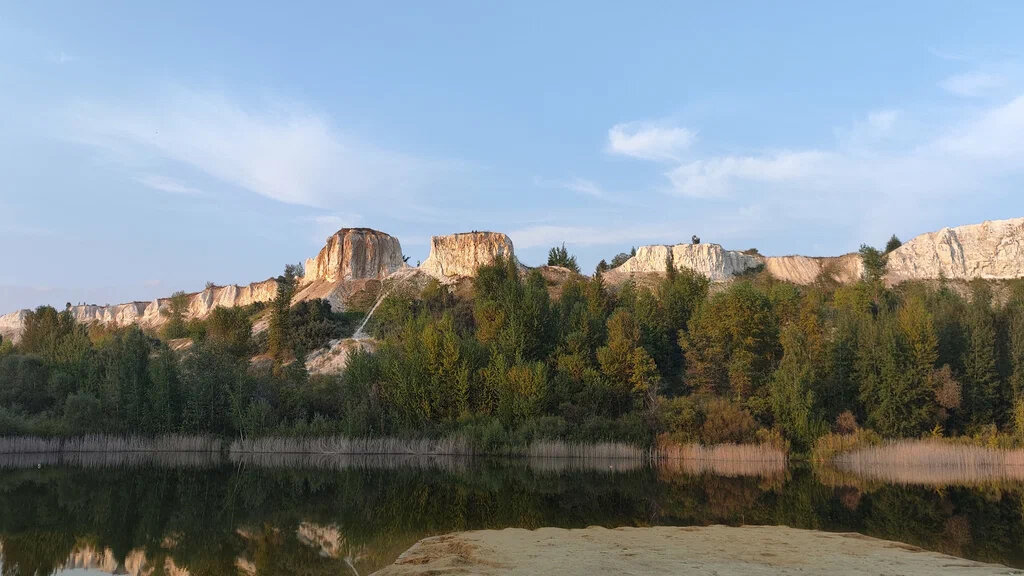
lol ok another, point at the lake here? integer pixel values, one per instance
(200, 515)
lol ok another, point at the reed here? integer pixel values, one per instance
(449, 445)
(723, 459)
(579, 451)
(932, 463)
(101, 443)
(340, 462)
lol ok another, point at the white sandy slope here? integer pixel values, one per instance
(720, 550)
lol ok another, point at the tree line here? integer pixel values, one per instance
(677, 359)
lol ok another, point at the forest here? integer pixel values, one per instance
(510, 361)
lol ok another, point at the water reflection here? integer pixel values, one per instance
(356, 516)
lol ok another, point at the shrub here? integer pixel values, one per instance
(726, 422)
(829, 446)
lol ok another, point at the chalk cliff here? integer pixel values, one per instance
(459, 255)
(355, 253)
(351, 261)
(711, 260)
(991, 250)
(11, 324)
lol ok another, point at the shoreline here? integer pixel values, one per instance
(721, 550)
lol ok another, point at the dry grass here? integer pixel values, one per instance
(339, 462)
(340, 445)
(578, 451)
(99, 443)
(723, 459)
(932, 463)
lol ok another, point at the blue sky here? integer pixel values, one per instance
(148, 148)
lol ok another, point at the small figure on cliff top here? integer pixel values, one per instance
(695, 239)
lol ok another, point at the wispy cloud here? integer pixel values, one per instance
(649, 140)
(574, 184)
(972, 84)
(282, 151)
(165, 184)
(716, 176)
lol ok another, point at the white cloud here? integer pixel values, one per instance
(282, 152)
(997, 133)
(972, 84)
(715, 177)
(165, 184)
(649, 141)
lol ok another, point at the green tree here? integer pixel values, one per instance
(892, 244)
(279, 329)
(874, 263)
(982, 393)
(732, 344)
(174, 312)
(559, 256)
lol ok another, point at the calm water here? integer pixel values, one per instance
(353, 517)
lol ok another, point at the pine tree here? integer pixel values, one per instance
(980, 381)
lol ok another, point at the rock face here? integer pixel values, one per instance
(459, 255)
(353, 254)
(991, 250)
(149, 314)
(711, 260)
(11, 325)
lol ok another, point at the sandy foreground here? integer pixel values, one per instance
(720, 550)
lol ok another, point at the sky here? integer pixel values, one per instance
(151, 147)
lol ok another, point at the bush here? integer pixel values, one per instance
(827, 447)
(680, 419)
(727, 422)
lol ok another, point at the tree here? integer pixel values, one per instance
(981, 386)
(279, 330)
(621, 258)
(175, 312)
(874, 263)
(892, 244)
(559, 256)
(732, 343)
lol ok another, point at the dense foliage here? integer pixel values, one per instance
(756, 359)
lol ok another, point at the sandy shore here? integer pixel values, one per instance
(720, 550)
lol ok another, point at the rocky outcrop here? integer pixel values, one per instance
(353, 261)
(711, 260)
(991, 250)
(12, 324)
(459, 255)
(353, 254)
